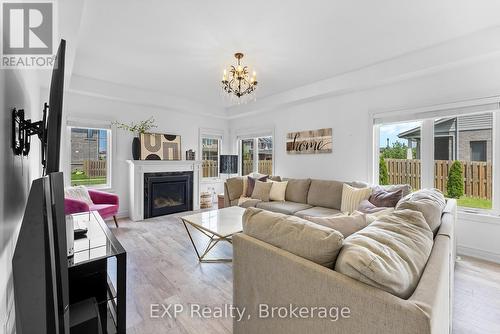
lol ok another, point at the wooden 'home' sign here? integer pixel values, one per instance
(309, 142)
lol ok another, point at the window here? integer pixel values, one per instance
(210, 150)
(478, 150)
(399, 152)
(257, 155)
(426, 153)
(247, 155)
(469, 136)
(90, 153)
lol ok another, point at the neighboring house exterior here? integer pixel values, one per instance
(466, 138)
(84, 146)
(265, 148)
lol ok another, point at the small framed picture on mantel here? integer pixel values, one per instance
(309, 142)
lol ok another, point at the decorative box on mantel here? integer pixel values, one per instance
(160, 169)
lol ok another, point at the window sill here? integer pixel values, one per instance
(480, 216)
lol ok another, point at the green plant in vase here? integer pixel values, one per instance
(137, 129)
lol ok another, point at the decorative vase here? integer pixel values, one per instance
(136, 148)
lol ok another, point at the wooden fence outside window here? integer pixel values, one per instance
(477, 175)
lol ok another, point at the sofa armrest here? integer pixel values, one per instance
(434, 291)
(101, 197)
(74, 206)
(266, 275)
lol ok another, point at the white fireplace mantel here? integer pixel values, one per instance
(137, 168)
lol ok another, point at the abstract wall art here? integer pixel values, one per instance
(155, 146)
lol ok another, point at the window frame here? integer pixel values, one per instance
(428, 115)
(255, 137)
(216, 134)
(88, 124)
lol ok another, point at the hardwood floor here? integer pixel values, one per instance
(477, 297)
(163, 269)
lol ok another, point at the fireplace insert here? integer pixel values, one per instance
(166, 193)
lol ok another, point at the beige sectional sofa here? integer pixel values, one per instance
(304, 197)
(273, 277)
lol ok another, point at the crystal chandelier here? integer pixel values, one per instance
(239, 82)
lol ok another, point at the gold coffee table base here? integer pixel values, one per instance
(213, 240)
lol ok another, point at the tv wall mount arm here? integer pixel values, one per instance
(23, 129)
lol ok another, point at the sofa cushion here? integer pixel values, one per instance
(247, 202)
(251, 184)
(311, 241)
(285, 207)
(275, 178)
(234, 187)
(278, 190)
(261, 190)
(325, 193)
(371, 217)
(297, 189)
(317, 211)
(430, 202)
(345, 224)
(351, 197)
(383, 198)
(79, 193)
(245, 186)
(389, 254)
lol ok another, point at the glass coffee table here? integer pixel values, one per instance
(216, 225)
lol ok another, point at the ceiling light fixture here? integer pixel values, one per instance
(239, 83)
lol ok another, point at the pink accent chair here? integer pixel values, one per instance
(106, 204)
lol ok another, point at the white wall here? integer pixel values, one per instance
(187, 125)
(349, 116)
(17, 89)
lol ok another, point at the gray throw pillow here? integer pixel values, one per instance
(261, 190)
(366, 207)
(251, 184)
(383, 198)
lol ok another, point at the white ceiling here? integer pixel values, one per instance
(180, 47)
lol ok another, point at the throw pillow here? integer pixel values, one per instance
(383, 198)
(366, 207)
(345, 224)
(251, 184)
(278, 190)
(389, 254)
(79, 193)
(261, 191)
(311, 241)
(351, 197)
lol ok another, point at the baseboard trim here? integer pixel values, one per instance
(478, 253)
(122, 214)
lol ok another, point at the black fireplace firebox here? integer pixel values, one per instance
(166, 193)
